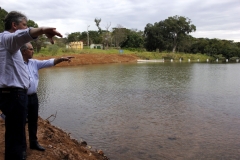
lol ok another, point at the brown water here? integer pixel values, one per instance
(163, 111)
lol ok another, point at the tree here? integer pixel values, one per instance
(31, 23)
(3, 14)
(95, 37)
(83, 37)
(178, 26)
(134, 40)
(97, 21)
(119, 35)
(40, 41)
(198, 45)
(60, 42)
(185, 44)
(104, 34)
(168, 33)
(107, 36)
(155, 37)
(75, 36)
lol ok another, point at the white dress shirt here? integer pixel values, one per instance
(33, 66)
(12, 69)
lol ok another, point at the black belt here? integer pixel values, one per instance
(16, 89)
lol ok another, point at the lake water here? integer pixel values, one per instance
(143, 111)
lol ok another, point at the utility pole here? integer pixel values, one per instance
(88, 36)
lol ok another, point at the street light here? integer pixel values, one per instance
(88, 36)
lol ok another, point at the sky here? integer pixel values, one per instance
(213, 18)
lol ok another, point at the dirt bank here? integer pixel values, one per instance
(59, 145)
(86, 59)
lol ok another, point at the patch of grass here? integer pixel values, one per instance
(142, 55)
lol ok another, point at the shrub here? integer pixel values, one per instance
(53, 49)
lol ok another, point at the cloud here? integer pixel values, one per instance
(213, 19)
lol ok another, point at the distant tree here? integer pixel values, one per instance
(185, 44)
(168, 33)
(215, 47)
(238, 44)
(103, 34)
(83, 37)
(31, 23)
(40, 41)
(95, 37)
(155, 37)
(177, 26)
(75, 36)
(97, 21)
(107, 36)
(134, 40)
(119, 35)
(3, 14)
(60, 42)
(198, 45)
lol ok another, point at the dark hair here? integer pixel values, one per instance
(13, 16)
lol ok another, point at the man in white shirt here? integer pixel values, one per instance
(33, 65)
(14, 80)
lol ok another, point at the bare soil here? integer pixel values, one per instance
(87, 59)
(59, 145)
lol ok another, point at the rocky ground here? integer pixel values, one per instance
(59, 145)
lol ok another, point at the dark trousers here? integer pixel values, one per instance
(13, 104)
(32, 117)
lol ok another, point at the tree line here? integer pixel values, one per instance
(169, 35)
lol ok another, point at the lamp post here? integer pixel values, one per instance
(88, 36)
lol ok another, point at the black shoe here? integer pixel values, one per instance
(24, 155)
(36, 146)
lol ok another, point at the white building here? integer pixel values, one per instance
(96, 46)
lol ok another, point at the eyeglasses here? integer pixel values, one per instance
(31, 49)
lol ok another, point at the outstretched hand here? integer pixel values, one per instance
(67, 58)
(50, 33)
(59, 60)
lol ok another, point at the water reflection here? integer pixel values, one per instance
(147, 111)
